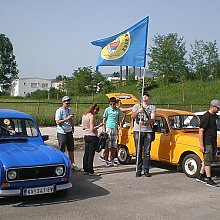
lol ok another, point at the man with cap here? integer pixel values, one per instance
(208, 142)
(144, 116)
(65, 129)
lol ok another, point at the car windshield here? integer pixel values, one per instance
(184, 121)
(17, 127)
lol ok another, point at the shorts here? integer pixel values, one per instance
(112, 139)
(209, 154)
(66, 141)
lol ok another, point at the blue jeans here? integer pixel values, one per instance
(145, 146)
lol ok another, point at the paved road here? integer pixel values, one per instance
(118, 195)
(51, 131)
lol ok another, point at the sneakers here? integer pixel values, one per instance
(114, 164)
(74, 167)
(211, 183)
(138, 175)
(111, 163)
(147, 174)
(102, 159)
(107, 163)
(201, 179)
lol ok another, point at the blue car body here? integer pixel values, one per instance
(28, 166)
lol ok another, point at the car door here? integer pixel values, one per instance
(160, 149)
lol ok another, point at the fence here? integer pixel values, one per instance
(44, 112)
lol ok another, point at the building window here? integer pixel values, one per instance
(44, 85)
(33, 85)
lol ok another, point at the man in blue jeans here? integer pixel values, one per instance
(144, 116)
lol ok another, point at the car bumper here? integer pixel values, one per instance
(18, 192)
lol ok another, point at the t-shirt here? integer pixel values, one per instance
(113, 116)
(66, 126)
(150, 110)
(209, 123)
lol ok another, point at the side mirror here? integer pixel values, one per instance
(45, 137)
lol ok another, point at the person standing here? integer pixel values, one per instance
(112, 117)
(90, 126)
(65, 129)
(144, 116)
(208, 142)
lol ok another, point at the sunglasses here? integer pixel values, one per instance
(68, 103)
(112, 104)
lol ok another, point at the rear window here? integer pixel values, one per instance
(17, 127)
(183, 121)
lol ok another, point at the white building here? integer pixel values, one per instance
(23, 86)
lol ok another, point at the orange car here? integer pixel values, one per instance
(176, 141)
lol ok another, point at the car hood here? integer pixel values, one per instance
(28, 154)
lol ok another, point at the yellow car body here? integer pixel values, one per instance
(174, 143)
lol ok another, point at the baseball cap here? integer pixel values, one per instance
(66, 98)
(216, 103)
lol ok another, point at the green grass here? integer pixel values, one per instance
(192, 96)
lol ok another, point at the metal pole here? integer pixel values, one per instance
(139, 136)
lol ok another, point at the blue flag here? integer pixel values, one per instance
(127, 48)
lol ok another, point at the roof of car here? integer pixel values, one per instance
(126, 98)
(168, 112)
(10, 113)
(203, 112)
(173, 112)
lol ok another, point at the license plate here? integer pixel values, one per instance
(38, 190)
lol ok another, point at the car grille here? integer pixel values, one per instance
(34, 173)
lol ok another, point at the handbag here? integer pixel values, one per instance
(102, 142)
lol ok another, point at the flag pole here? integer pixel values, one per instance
(139, 135)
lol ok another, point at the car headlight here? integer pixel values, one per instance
(12, 174)
(59, 171)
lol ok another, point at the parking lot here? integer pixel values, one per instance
(117, 194)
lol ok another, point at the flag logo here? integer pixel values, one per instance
(117, 48)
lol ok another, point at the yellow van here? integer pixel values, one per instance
(176, 141)
(176, 138)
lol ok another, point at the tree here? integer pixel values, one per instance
(8, 66)
(203, 60)
(85, 82)
(167, 58)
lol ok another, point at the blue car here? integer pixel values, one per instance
(28, 166)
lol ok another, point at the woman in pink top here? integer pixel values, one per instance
(90, 127)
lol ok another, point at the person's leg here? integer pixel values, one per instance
(147, 148)
(92, 149)
(138, 152)
(61, 141)
(86, 154)
(70, 148)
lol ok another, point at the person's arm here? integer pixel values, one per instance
(104, 125)
(151, 120)
(61, 121)
(92, 122)
(201, 138)
(136, 112)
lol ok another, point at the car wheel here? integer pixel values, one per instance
(191, 165)
(123, 155)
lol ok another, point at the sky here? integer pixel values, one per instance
(53, 37)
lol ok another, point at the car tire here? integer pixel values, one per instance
(123, 155)
(191, 165)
